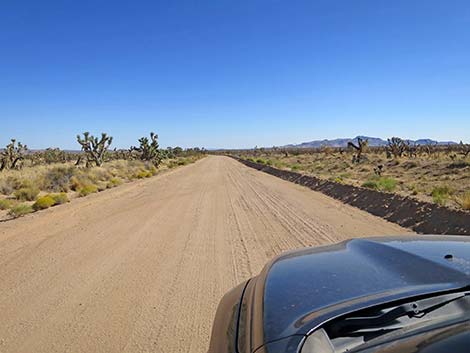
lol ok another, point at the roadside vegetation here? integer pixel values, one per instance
(433, 173)
(34, 181)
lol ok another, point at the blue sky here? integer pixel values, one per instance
(233, 73)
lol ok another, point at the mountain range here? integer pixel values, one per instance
(373, 141)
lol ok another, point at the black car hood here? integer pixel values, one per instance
(303, 289)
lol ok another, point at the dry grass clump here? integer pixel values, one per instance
(441, 194)
(43, 202)
(87, 190)
(380, 183)
(57, 179)
(20, 210)
(114, 181)
(6, 204)
(27, 193)
(50, 200)
(60, 198)
(141, 174)
(9, 184)
(464, 201)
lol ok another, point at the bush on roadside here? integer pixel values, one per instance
(440, 194)
(78, 181)
(338, 180)
(87, 190)
(183, 161)
(380, 183)
(464, 201)
(5, 204)
(60, 198)
(43, 202)
(172, 164)
(58, 179)
(96, 175)
(28, 193)
(114, 182)
(102, 185)
(20, 210)
(9, 184)
(370, 184)
(143, 174)
(387, 184)
(296, 167)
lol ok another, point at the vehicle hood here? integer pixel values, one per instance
(303, 289)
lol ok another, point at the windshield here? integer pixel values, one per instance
(374, 325)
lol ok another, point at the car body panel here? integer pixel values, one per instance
(225, 326)
(303, 289)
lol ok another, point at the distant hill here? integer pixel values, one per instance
(373, 141)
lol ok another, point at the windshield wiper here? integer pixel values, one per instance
(416, 309)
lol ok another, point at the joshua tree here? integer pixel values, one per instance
(361, 148)
(12, 154)
(94, 148)
(412, 149)
(177, 151)
(148, 149)
(396, 147)
(464, 149)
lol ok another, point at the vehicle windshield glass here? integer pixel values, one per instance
(390, 322)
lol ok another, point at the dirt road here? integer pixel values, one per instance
(141, 268)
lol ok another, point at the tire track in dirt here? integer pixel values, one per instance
(141, 268)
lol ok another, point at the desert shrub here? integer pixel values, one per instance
(5, 204)
(380, 183)
(9, 184)
(20, 210)
(387, 184)
(60, 198)
(440, 194)
(458, 165)
(77, 182)
(87, 190)
(183, 161)
(295, 167)
(102, 185)
(99, 174)
(27, 193)
(143, 174)
(58, 178)
(464, 201)
(279, 164)
(370, 184)
(114, 182)
(43, 202)
(338, 179)
(410, 165)
(269, 162)
(153, 170)
(414, 189)
(172, 164)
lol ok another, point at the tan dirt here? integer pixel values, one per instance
(141, 268)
